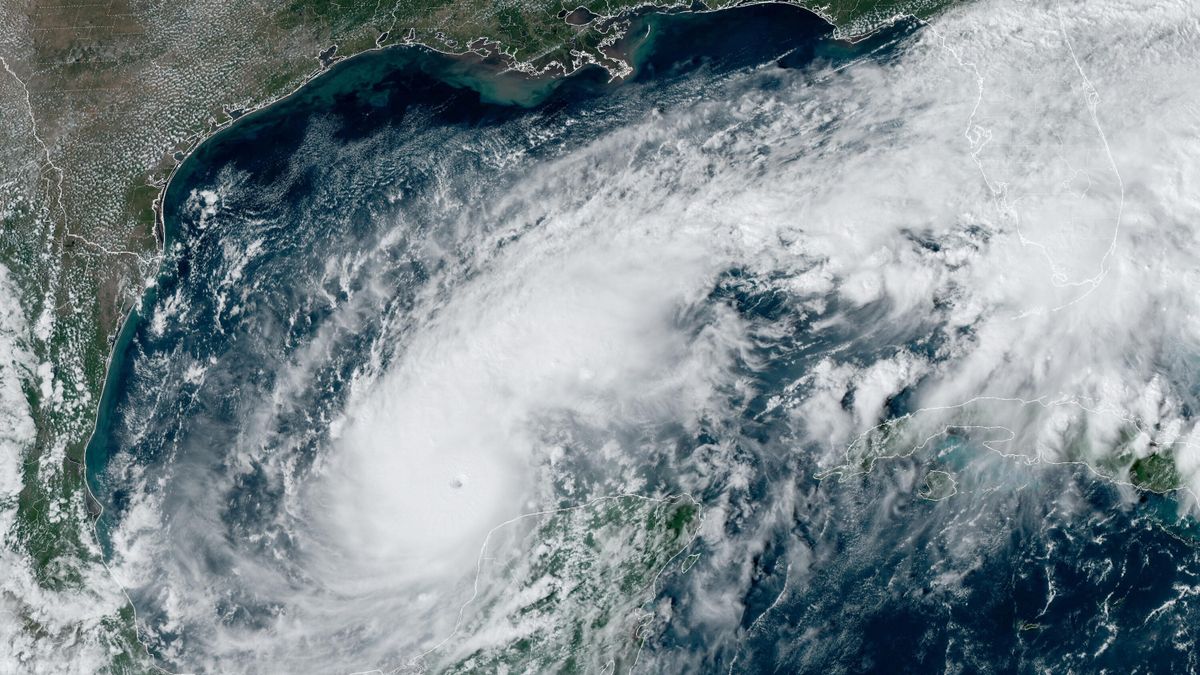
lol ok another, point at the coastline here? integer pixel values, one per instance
(496, 81)
(473, 77)
(494, 84)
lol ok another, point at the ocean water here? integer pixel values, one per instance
(419, 300)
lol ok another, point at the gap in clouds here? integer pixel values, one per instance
(967, 257)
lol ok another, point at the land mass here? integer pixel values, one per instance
(101, 100)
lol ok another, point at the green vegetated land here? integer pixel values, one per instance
(577, 604)
(100, 101)
(1156, 473)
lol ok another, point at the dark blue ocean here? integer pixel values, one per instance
(304, 239)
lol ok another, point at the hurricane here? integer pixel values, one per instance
(803, 355)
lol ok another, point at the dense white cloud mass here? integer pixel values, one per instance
(1078, 286)
(993, 226)
(70, 619)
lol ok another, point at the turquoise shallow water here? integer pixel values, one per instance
(372, 92)
(306, 240)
